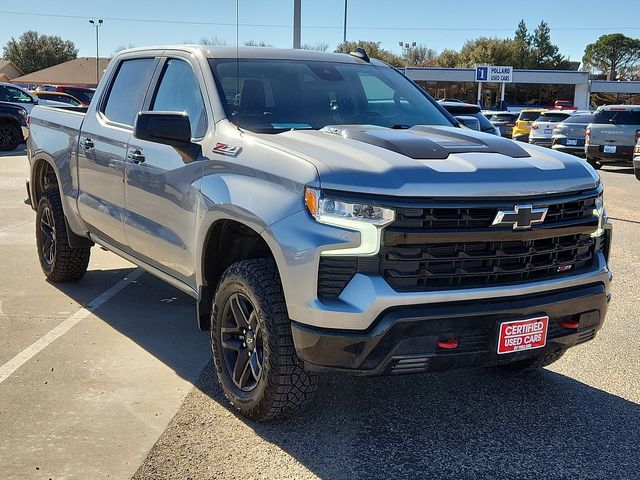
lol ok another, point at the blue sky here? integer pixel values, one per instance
(436, 24)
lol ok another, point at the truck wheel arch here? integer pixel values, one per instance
(43, 176)
(227, 241)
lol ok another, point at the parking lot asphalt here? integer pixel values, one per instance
(120, 376)
(92, 402)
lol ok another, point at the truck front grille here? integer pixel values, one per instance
(451, 246)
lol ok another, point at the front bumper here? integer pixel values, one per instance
(636, 163)
(404, 340)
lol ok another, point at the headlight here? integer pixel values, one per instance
(364, 218)
(601, 213)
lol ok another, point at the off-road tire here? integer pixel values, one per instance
(10, 137)
(65, 263)
(534, 363)
(594, 163)
(283, 386)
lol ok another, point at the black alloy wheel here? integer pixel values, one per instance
(49, 242)
(9, 137)
(242, 343)
(60, 262)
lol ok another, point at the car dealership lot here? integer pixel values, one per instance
(90, 399)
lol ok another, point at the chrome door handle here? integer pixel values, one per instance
(136, 157)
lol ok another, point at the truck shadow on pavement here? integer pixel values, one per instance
(459, 424)
(151, 313)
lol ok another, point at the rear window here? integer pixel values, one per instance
(503, 117)
(552, 117)
(529, 116)
(618, 117)
(82, 95)
(462, 109)
(579, 119)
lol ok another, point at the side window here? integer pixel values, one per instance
(179, 92)
(128, 89)
(15, 95)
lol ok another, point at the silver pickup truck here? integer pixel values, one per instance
(325, 213)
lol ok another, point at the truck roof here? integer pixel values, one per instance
(619, 107)
(216, 51)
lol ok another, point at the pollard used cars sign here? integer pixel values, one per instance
(493, 73)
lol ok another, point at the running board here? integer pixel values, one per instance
(171, 280)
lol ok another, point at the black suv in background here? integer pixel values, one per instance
(13, 126)
(469, 110)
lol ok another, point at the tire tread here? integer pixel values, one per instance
(290, 387)
(70, 263)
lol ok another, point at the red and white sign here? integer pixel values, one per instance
(523, 335)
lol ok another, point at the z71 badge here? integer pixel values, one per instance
(226, 149)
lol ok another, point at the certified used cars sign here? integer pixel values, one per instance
(523, 335)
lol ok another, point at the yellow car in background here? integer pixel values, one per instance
(57, 97)
(523, 124)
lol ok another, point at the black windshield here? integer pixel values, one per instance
(275, 95)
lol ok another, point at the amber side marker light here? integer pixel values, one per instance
(311, 200)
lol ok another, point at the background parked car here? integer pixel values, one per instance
(613, 134)
(542, 127)
(18, 96)
(568, 135)
(58, 97)
(522, 127)
(636, 159)
(505, 121)
(15, 95)
(469, 110)
(13, 126)
(84, 94)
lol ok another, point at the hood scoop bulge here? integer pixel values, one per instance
(423, 142)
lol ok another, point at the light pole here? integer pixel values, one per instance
(297, 15)
(97, 25)
(344, 33)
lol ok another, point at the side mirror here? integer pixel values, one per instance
(470, 122)
(168, 128)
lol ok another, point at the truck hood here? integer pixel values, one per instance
(430, 161)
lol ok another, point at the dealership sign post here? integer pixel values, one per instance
(494, 74)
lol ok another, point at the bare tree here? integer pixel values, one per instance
(320, 46)
(253, 43)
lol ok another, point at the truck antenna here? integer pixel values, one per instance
(237, 61)
(361, 53)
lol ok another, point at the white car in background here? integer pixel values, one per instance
(542, 128)
(18, 96)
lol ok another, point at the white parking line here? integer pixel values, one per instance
(24, 356)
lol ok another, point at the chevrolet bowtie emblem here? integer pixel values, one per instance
(521, 217)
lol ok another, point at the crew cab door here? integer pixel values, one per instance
(102, 149)
(161, 183)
